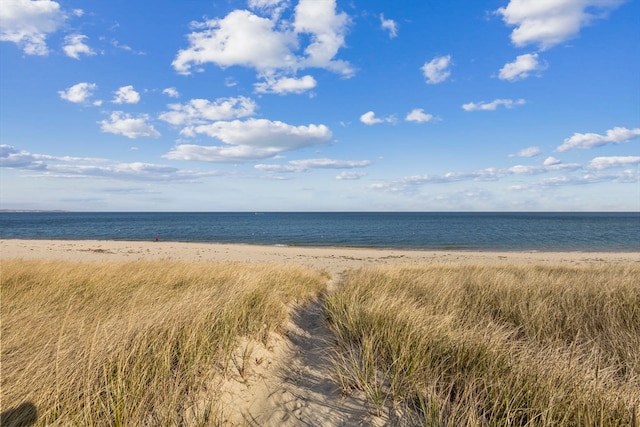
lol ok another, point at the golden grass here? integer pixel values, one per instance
(495, 346)
(137, 343)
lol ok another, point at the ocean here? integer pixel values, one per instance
(609, 232)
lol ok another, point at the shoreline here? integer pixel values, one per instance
(335, 260)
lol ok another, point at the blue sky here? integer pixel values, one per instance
(320, 105)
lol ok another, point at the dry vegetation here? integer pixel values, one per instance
(147, 343)
(494, 346)
(137, 343)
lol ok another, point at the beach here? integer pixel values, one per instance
(334, 260)
(287, 377)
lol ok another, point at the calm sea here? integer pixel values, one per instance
(451, 231)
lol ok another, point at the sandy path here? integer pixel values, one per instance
(295, 386)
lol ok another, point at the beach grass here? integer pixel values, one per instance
(492, 345)
(133, 343)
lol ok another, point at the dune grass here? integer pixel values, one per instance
(137, 343)
(494, 346)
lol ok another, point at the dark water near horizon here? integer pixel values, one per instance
(610, 232)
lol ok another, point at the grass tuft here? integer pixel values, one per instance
(484, 345)
(137, 343)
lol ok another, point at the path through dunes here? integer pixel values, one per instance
(290, 382)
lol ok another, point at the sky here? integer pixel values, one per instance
(320, 105)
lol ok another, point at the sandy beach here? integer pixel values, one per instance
(335, 260)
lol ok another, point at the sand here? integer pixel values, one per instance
(289, 382)
(335, 260)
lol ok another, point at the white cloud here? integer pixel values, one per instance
(120, 123)
(527, 152)
(550, 161)
(343, 176)
(437, 70)
(419, 116)
(240, 38)
(10, 157)
(521, 67)
(617, 135)
(272, 7)
(249, 140)
(286, 85)
(171, 92)
(27, 23)
(269, 44)
(75, 45)
(327, 29)
(306, 164)
(126, 95)
(78, 93)
(493, 105)
(69, 166)
(369, 118)
(540, 169)
(389, 25)
(126, 48)
(201, 111)
(411, 183)
(600, 163)
(548, 23)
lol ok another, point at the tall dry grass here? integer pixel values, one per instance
(136, 343)
(494, 346)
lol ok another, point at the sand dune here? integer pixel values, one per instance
(290, 383)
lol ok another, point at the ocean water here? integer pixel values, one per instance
(609, 232)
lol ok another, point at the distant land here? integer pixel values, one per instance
(30, 210)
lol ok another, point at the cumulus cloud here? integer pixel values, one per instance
(327, 30)
(617, 135)
(201, 111)
(120, 123)
(548, 23)
(240, 38)
(521, 68)
(369, 118)
(126, 95)
(75, 46)
(437, 70)
(249, 140)
(389, 25)
(550, 161)
(269, 44)
(418, 115)
(600, 163)
(78, 93)
(527, 152)
(28, 23)
(171, 92)
(306, 164)
(285, 85)
(493, 105)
